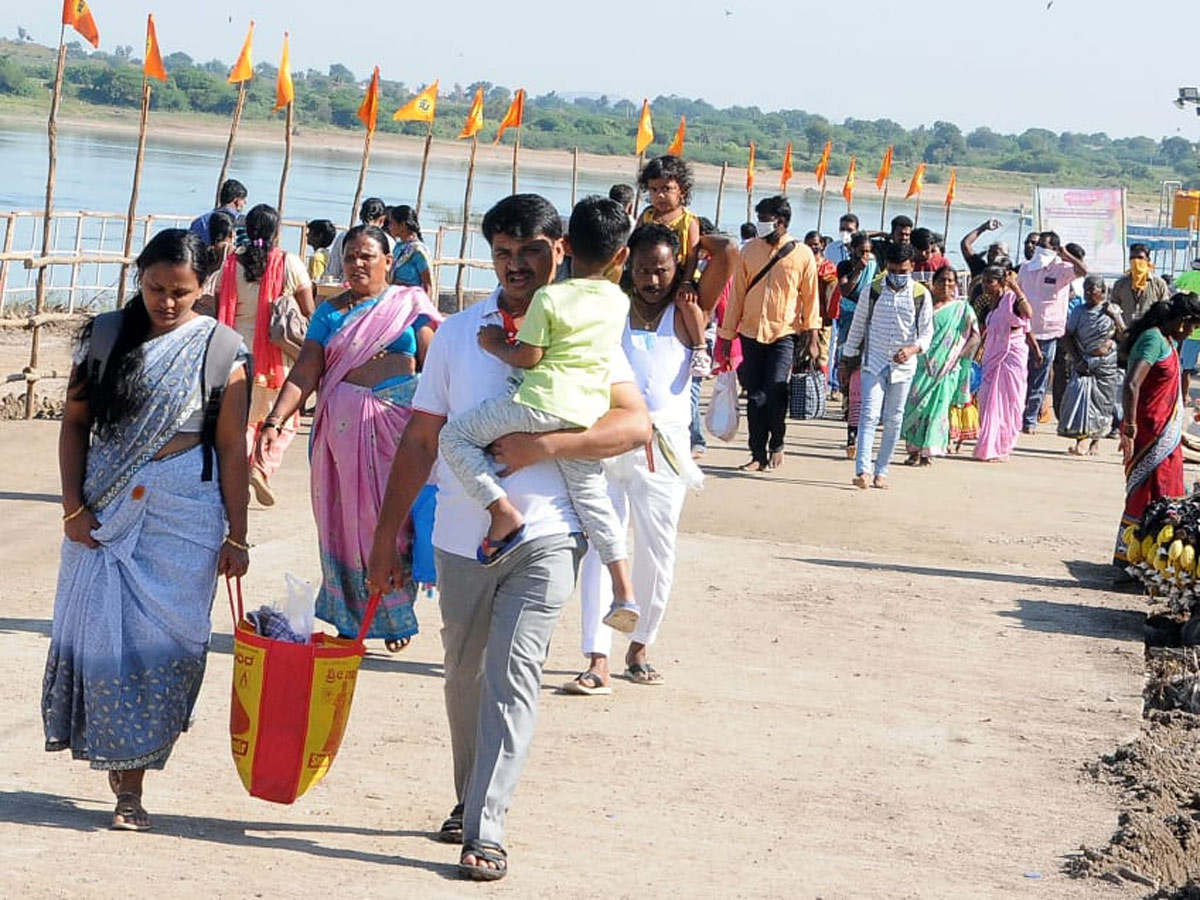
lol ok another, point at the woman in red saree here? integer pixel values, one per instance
(1152, 400)
(363, 350)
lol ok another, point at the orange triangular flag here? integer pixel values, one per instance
(153, 64)
(848, 187)
(676, 148)
(787, 173)
(750, 170)
(243, 69)
(368, 112)
(421, 108)
(952, 189)
(885, 170)
(645, 132)
(515, 115)
(918, 181)
(823, 165)
(78, 15)
(474, 123)
(285, 91)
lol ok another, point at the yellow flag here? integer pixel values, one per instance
(368, 112)
(885, 170)
(421, 108)
(474, 123)
(645, 132)
(848, 187)
(153, 65)
(788, 172)
(243, 69)
(823, 165)
(676, 148)
(285, 91)
(750, 170)
(952, 189)
(918, 181)
(78, 15)
(515, 115)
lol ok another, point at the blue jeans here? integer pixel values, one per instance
(697, 428)
(881, 401)
(1039, 375)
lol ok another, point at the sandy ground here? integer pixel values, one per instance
(870, 694)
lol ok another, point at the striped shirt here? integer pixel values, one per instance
(896, 319)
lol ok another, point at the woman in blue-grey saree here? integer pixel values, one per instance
(155, 486)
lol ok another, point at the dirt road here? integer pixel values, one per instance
(870, 694)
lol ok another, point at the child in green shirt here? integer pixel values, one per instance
(568, 344)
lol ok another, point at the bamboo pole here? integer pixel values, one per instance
(131, 216)
(574, 175)
(424, 168)
(917, 214)
(10, 229)
(466, 223)
(637, 186)
(233, 129)
(52, 157)
(821, 202)
(750, 204)
(287, 159)
(883, 208)
(720, 194)
(946, 227)
(362, 176)
(516, 149)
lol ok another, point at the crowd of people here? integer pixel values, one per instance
(502, 452)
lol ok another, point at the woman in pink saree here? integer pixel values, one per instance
(362, 354)
(1007, 344)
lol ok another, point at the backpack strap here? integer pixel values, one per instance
(785, 250)
(106, 327)
(224, 344)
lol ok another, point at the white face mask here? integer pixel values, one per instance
(765, 229)
(846, 236)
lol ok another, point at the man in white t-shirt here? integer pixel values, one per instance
(497, 620)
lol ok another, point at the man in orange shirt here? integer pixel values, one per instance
(773, 305)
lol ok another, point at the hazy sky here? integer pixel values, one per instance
(1079, 65)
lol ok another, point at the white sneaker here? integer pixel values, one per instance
(702, 364)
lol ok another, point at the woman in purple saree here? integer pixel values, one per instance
(362, 354)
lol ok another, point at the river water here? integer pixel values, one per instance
(95, 170)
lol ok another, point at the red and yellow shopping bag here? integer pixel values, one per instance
(290, 705)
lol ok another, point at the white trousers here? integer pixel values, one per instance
(654, 501)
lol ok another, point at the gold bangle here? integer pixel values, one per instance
(232, 543)
(75, 515)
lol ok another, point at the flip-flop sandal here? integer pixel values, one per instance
(486, 851)
(396, 645)
(491, 552)
(587, 684)
(451, 831)
(622, 617)
(640, 673)
(129, 810)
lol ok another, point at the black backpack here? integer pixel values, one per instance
(224, 344)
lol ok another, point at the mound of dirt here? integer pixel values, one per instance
(1157, 842)
(12, 406)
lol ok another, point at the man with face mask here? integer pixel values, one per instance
(1139, 289)
(889, 331)
(839, 250)
(774, 304)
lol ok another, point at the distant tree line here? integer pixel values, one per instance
(600, 125)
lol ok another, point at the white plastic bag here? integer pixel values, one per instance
(721, 420)
(300, 606)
